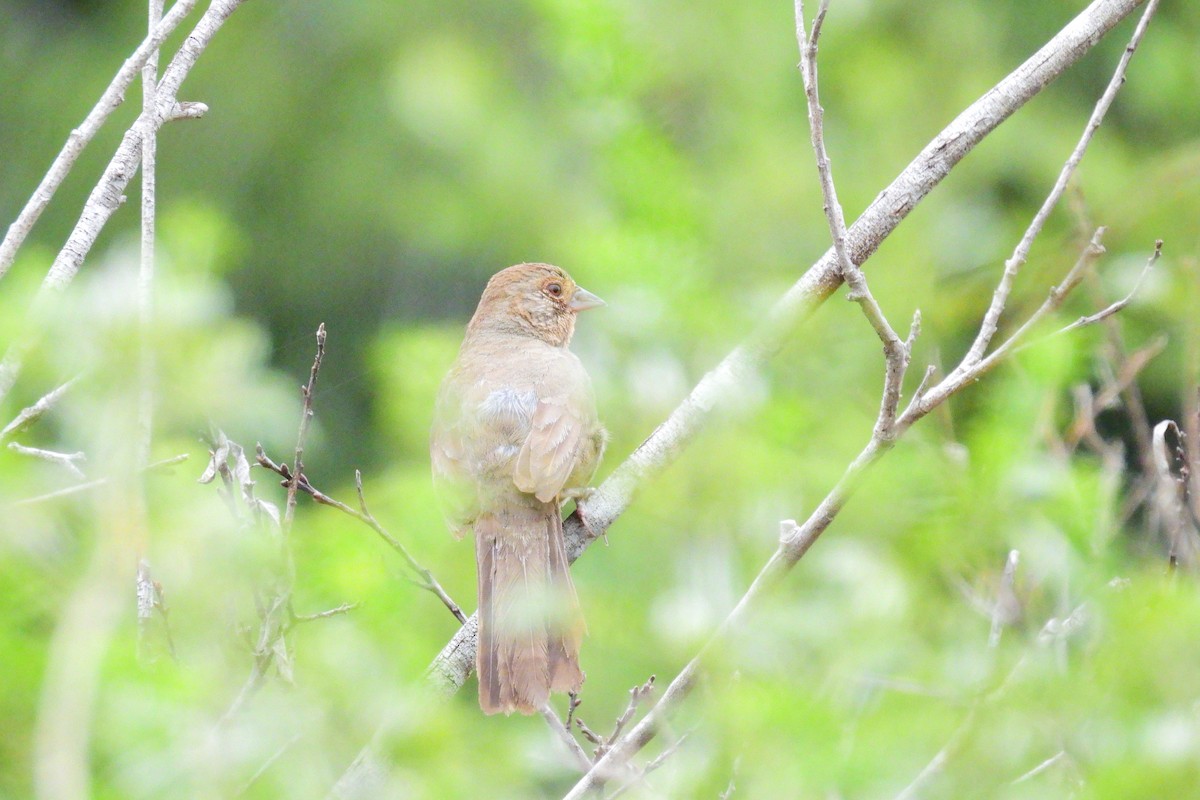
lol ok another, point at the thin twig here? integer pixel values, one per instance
(1083, 427)
(1012, 267)
(344, 608)
(1053, 631)
(270, 631)
(66, 460)
(636, 695)
(33, 413)
(1123, 363)
(897, 352)
(277, 620)
(306, 415)
(1120, 305)
(651, 765)
(425, 578)
(938, 762)
(966, 373)
(95, 484)
(564, 734)
(270, 762)
(144, 584)
(1004, 598)
(1042, 767)
(1171, 491)
(573, 702)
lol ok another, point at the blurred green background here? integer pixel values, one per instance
(368, 165)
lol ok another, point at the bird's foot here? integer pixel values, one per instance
(578, 495)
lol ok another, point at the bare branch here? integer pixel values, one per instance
(145, 289)
(107, 195)
(81, 136)
(344, 608)
(83, 487)
(1012, 267)
(896, 352)
(450, 669)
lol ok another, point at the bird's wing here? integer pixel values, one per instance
(551, 449)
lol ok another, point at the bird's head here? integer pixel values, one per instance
(538, 300)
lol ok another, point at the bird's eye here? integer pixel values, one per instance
(555, 289)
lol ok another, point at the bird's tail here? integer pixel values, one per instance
(530, 625)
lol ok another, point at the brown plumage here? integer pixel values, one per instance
(514, 433)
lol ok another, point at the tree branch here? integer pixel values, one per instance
(81, 136)
(896, 351)
(453, 665)
(306, 415)
(107, 195)
(146, 588)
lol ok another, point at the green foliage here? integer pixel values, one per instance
(368, 167)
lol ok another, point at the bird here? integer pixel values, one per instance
(516, 435)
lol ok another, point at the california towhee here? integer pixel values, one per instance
(515, 433)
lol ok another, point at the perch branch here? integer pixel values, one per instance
(451, 667)
(796, 540)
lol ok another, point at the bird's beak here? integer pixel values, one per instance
(582, 300)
